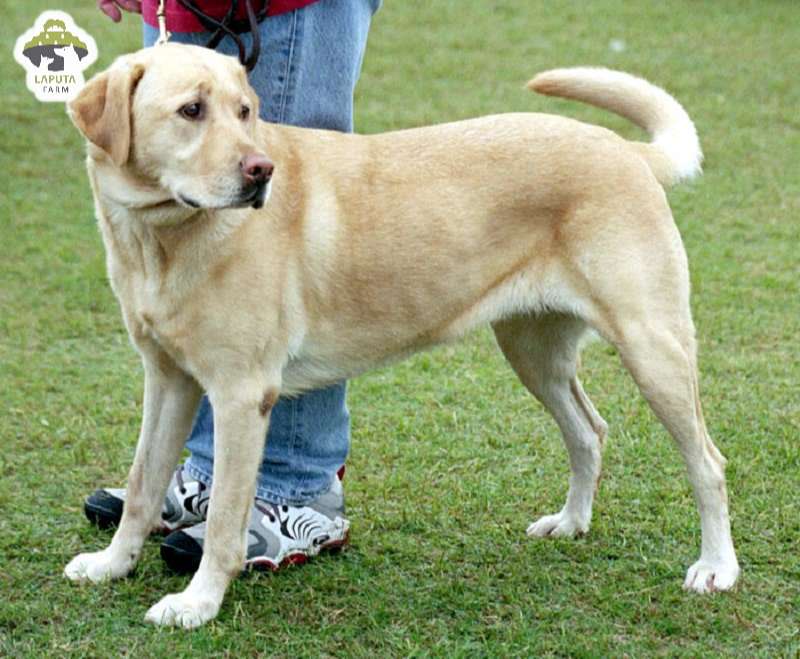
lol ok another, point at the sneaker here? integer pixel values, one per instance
(278, 535)
(186, 504)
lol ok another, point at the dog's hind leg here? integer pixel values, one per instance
(543, 351)
(170, 402)
(635, 292)
(659, 350)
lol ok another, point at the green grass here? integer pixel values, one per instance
(451, 458)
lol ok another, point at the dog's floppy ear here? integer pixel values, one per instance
(102, 110)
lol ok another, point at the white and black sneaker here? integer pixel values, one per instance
(278, 535)
(186, 504)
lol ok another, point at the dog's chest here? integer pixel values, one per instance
(157, 306)
(168, 335)
(166, 324)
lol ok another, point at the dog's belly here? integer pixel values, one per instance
(348, 348)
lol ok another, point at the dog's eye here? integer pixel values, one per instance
(244, 113)
(192, 111)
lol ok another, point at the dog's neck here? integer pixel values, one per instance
(143, 226)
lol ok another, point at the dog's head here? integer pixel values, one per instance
(180, 120)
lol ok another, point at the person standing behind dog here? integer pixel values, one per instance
(305, 74)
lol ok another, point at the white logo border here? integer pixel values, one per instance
(31, 71)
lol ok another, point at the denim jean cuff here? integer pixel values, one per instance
(266, 494)
(197, 473)
(272, 496)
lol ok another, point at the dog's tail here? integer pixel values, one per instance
(674, 154)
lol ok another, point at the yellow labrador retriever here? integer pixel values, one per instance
(253, 260)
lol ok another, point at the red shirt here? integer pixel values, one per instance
(180, 19)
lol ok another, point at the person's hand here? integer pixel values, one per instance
(111, 8)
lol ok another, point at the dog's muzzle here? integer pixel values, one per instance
(257, 171)
(254, 195)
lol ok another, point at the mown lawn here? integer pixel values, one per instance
(451, 458)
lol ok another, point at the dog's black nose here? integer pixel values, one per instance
(256, 168)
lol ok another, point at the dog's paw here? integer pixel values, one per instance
(182, 610)
(711, 577)
(97, 567)
(560, 525)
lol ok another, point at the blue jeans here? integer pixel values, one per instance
(307, 70)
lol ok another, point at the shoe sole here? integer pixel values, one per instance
(182, 562)
(297, 558)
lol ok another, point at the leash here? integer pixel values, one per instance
(227, 27)
(161, 15)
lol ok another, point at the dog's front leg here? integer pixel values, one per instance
(170, 402)
(241, 415)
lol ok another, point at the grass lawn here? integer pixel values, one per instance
(451, 458)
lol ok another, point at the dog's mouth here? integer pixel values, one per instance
(251, 196)
(188, 201)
